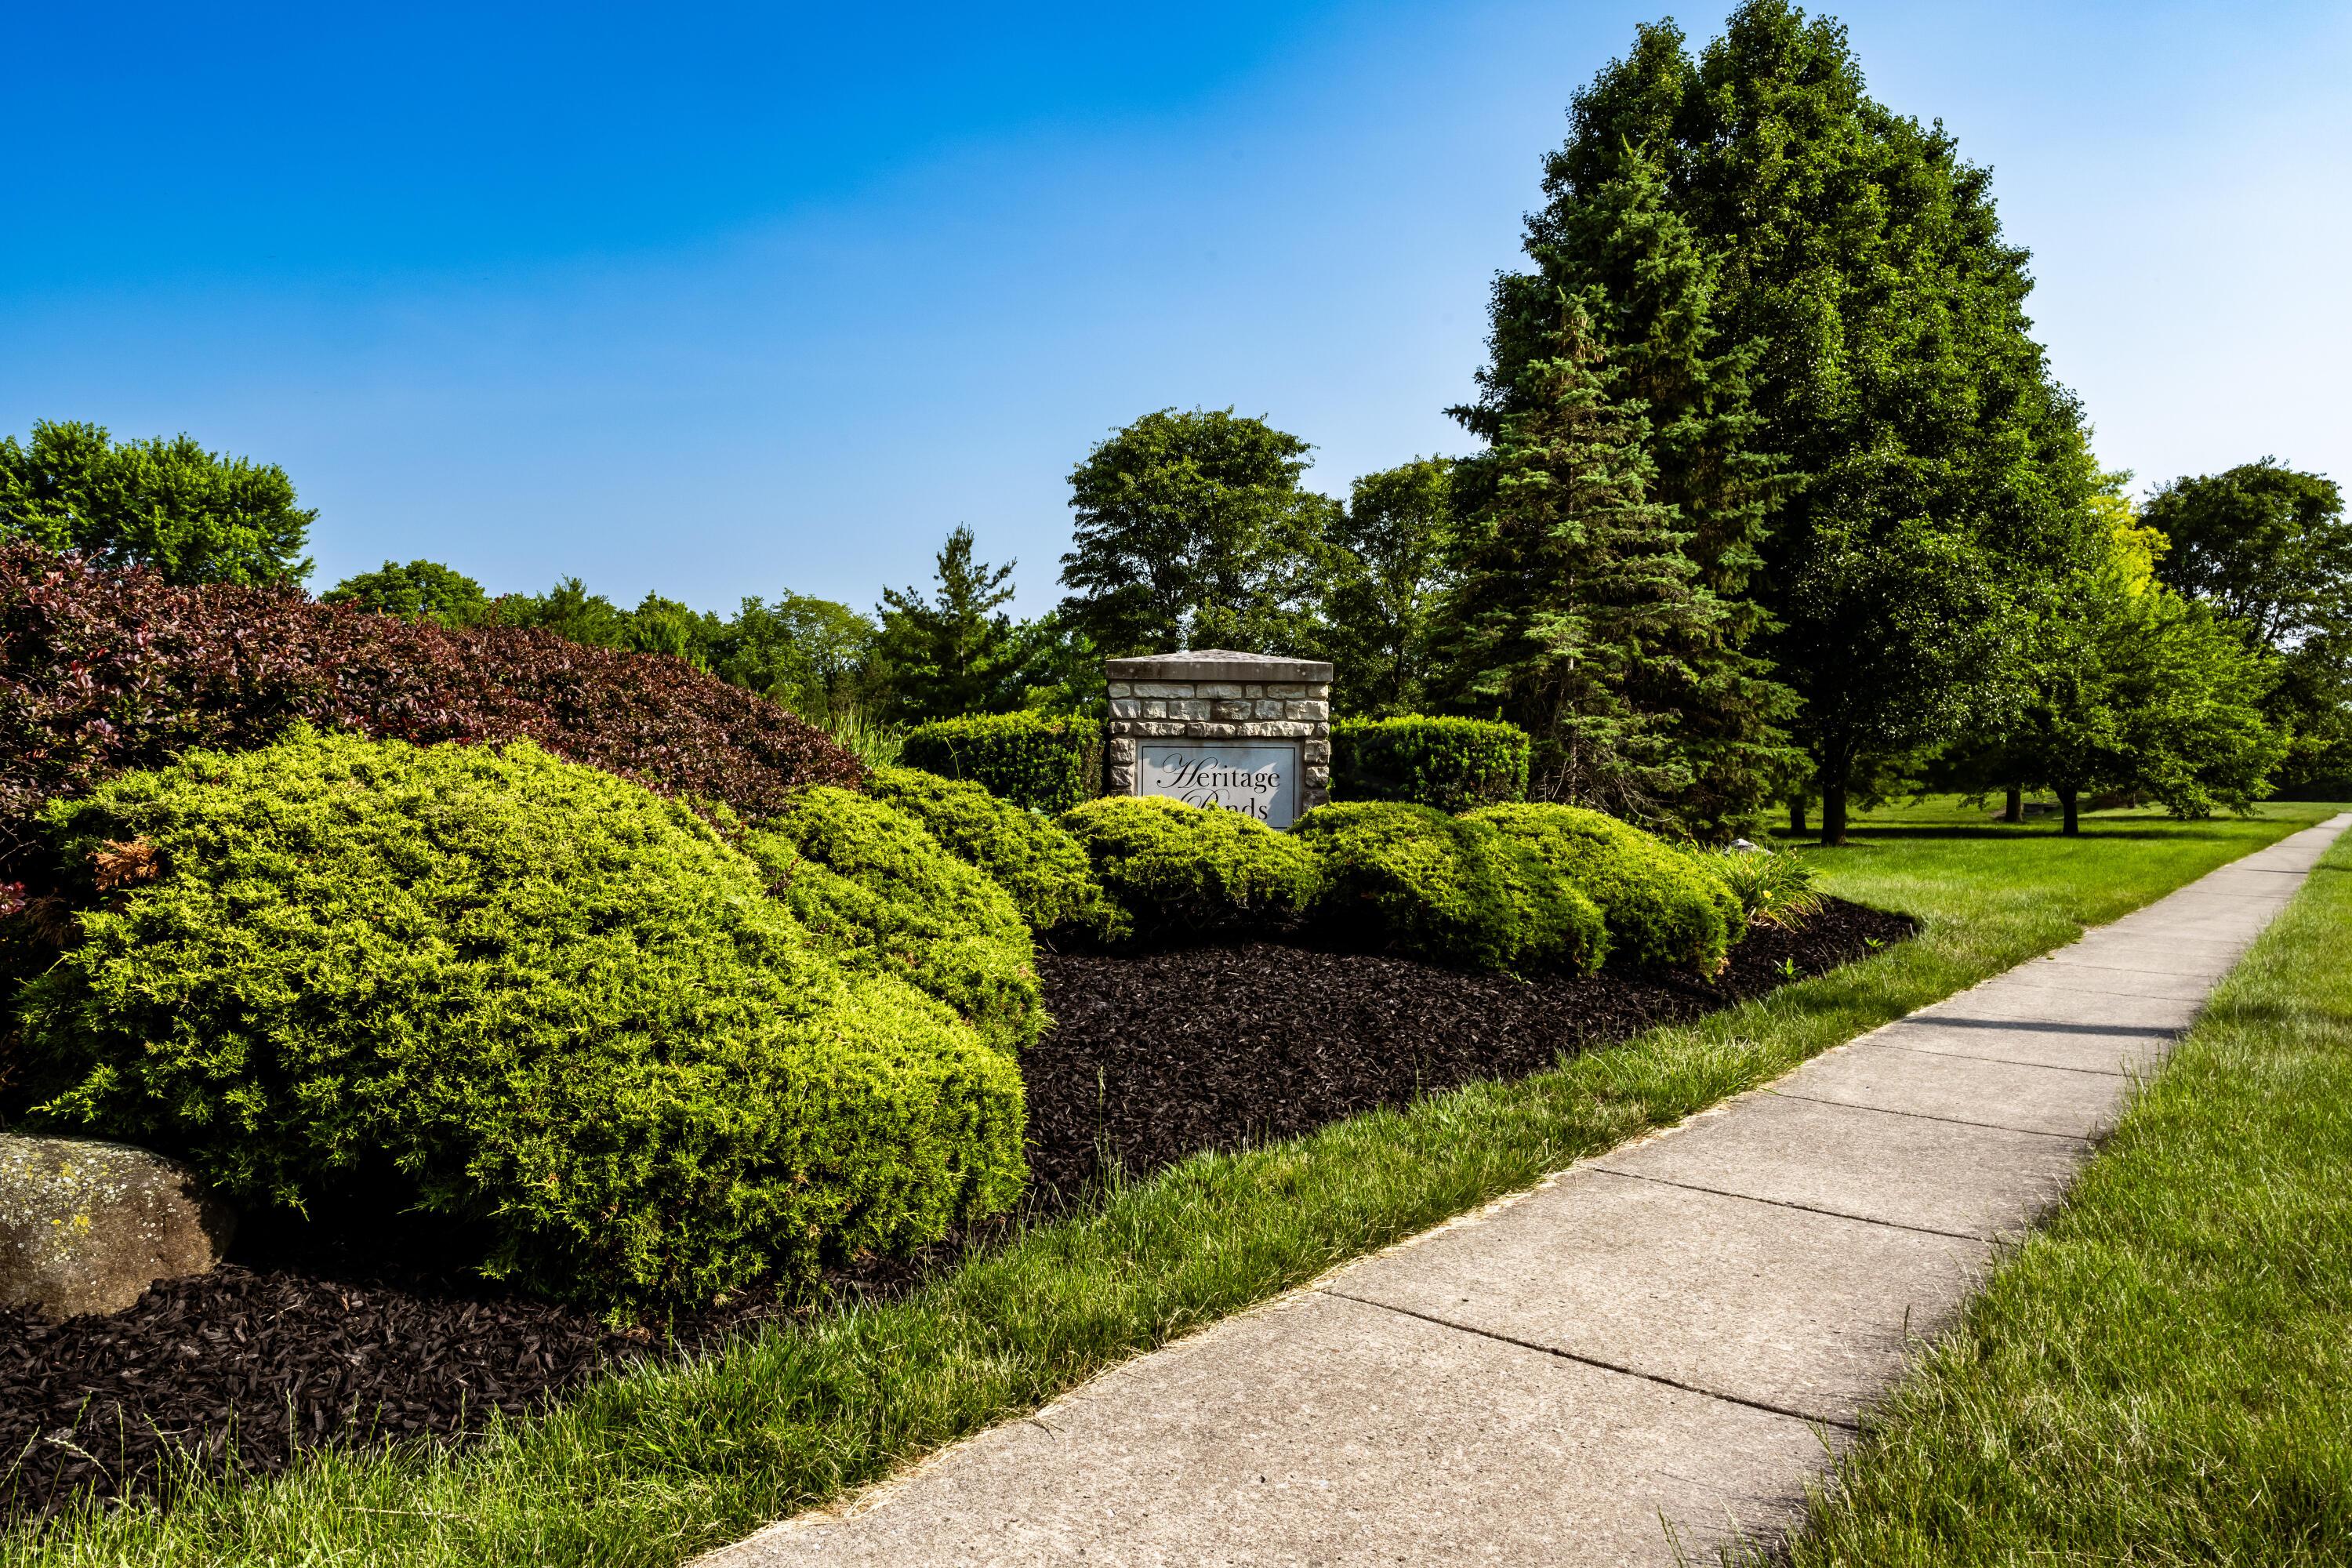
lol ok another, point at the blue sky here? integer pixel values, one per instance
(719, 301)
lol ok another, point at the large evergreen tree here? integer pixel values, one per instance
(1900, 463)
(1578, 601)
(1618, 250)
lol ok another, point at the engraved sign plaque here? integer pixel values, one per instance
(1257, 778)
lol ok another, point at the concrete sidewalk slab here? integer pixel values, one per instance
(2123, 1051)
(1882, 1165)
(1648, 1355)
(2020, 1096)
(1808, 1314)
(1329, 1431)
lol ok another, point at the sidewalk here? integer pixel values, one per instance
(1650, 1351)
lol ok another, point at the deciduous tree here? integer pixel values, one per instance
(1193, 530)
(194, 516)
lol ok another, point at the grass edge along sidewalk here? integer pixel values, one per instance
(2160, 1373)
(656, 1466)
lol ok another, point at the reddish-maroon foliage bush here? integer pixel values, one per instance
(101, 671)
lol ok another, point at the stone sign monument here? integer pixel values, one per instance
(1243, 732)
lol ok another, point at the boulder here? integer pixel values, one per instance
(85, 1227)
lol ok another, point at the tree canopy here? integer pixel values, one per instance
(1193, 530)
(1902, 471)
(194, 516)
(423, 588)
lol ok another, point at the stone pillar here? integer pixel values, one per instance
(1242, 730)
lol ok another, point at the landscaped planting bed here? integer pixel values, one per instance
(1155, 1055)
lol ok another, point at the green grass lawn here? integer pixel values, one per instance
(2163, 1374)
(653, 1466)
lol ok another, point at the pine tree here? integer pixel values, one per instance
(1579, 604)
(1617, 248)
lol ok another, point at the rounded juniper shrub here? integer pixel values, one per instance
(1188, 867)
(1448, 888)
(522, 993)
(881, 895)
(1662, 909)
(1026, 853)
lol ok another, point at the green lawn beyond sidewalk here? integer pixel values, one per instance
(2164, 1373)
(655, 1467)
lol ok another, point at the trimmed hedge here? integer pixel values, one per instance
(1663, 912)
(101, 672)
(1176, 866)
(882, 897)
(1032, 859)
(1049, 764)
(526, 995)
(1449, 889)
(1453, 764)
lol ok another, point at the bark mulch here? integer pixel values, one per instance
(1152, 1057)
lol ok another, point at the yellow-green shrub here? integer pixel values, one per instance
(1449, 889)
(1663, 911)
(1189, 867)
(527, 993)
(1025, 853)
(885, 897)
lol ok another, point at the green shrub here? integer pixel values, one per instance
(1663, 912)
(1449, 889)
(1453, 764)
(882, 897)
(527, 993)
(1178, 865)
(1049, 763)
(1042, 868)
(1772, 887)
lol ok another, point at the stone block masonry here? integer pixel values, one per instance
(1243, 731)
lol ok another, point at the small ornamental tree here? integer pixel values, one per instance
(194, 516)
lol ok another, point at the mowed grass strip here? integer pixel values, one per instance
(2164, 1373)
(656, 1466)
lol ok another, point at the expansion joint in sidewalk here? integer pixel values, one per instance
(1599, 1364)
(1924, 1116)
(1785, 1203)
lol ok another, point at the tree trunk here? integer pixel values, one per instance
(2070, 824)
(1832, 813)
(2014, 809)
(1797, 814)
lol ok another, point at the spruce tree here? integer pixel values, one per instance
(1579, 607)
(1617, 248)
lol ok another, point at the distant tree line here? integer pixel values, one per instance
(1775, 505)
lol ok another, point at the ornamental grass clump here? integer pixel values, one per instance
(1027, 854)
(1187, 867)
(515, 991)
(1449, 889)
(1663, 911)
(1774, 887)
(882, 897)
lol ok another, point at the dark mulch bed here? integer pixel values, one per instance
(1152, 1057)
